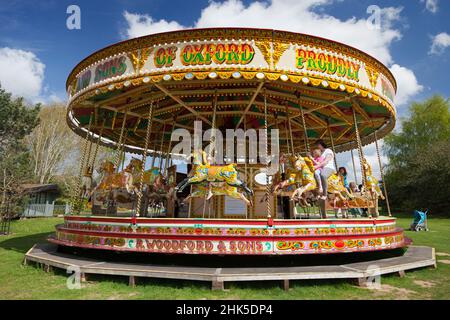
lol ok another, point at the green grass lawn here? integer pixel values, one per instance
(30, 282)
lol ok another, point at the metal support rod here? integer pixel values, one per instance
(302, 113)
(290, 131)
(354, 167)
(382, 175)
(332, 146)
(161, 148)
(94, 157)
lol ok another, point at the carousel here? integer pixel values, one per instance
(282, 92)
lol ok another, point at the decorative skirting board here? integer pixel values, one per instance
(230, 236)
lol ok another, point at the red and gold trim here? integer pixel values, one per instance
(235, 237)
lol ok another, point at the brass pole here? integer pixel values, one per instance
(144, 157)
(268, 189)
(76, 203)
(382, 175)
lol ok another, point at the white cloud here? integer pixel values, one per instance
(291, 15)
(407, 84)
(431, 5)
(139, 25)
(440, 42)
(307, 16)
(22, 73)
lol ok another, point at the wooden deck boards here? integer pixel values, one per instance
(415, 257)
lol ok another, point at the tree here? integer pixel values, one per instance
(55, 150)
(418, 174)
(16, 121)
(51, 143)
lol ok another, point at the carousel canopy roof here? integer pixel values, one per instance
(185, 73)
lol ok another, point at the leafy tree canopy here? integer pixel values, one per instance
(16, 120)
(418, 174)
(429, 123)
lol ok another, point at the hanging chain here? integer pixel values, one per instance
(268, 188)
(382, 175)
(144, 157)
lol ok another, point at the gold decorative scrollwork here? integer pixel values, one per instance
(266, 49)
(139, 57)
(278, 50)
(373, 76)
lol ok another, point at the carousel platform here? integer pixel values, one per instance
(48, 256)
(230, 236)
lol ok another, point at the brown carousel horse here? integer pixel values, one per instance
(155, 184)
(114, 189)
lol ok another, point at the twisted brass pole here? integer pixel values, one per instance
(268, 188)
(76, 203)
(144, 157)
(120, 144)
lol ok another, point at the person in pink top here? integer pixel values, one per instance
(326, 166)
(317, 160)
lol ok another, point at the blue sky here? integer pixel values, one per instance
(34, 37)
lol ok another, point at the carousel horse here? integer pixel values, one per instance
(202, 190)
(337, 188)
(308, 183)
(111, 180)
(155, 184)
(300, 172)
(114, 189)
(87, 183)
(371, 183)
(205, 172)
(293, 173)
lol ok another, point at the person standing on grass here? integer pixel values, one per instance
(326, 166)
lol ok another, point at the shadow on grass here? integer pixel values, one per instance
(23, 244)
